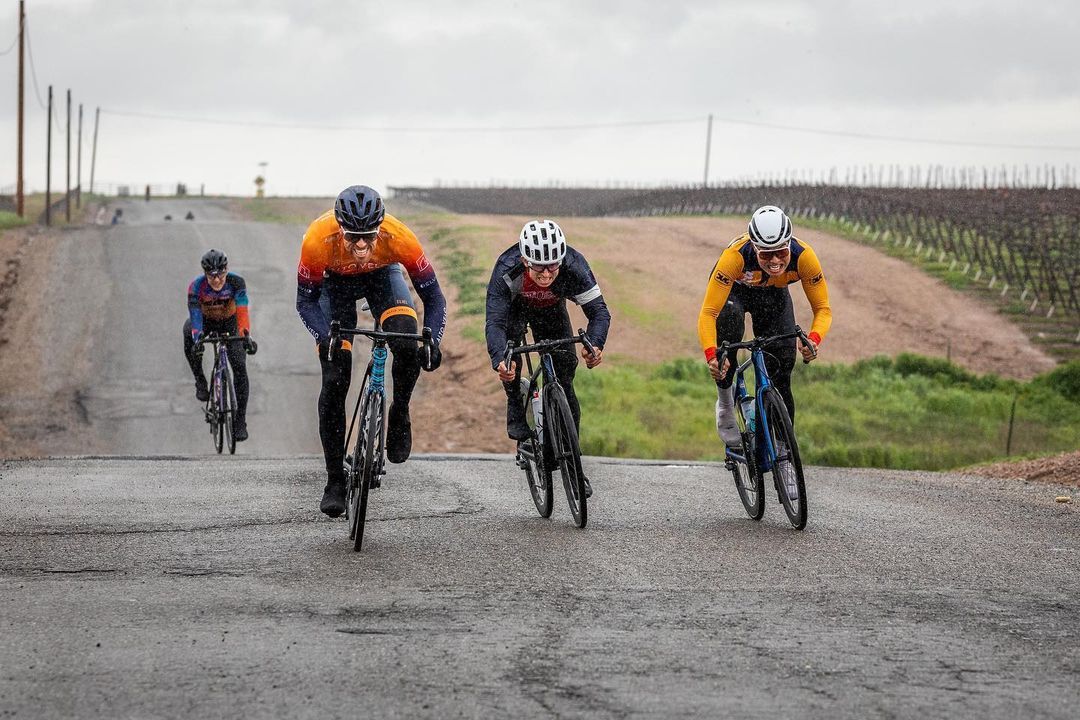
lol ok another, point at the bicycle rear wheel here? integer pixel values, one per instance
(229, 409)
(562, 436)
(531, 459)
(749, 481)
(371, 436)
(787, 469)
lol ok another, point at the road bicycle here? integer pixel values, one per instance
(220, 409)
(768, 439)
(554, 440)
(365, 466)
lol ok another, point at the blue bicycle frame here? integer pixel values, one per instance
(765, 454)
(764, 446)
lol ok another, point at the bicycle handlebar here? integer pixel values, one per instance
(221, 337)
(758, 343)
(337, 331)
(545, 345)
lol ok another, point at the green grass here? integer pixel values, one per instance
(10, 220)
(909, 412)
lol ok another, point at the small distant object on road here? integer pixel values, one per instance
(99, 219)
(1063, 499)
(168, 217)
(117, 216)
(190, 215)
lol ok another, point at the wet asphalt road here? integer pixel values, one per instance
(213, 588)
(199, 586)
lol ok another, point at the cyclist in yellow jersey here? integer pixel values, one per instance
(752, 276)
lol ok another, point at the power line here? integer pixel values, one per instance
(400, 129)
(898, 138)
(33, 72)
(12, 46)
(585, 126)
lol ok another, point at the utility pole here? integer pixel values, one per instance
(48, 162)
(93, 152)
(708, 149)
(78, 165)
(67, 179)
(19, 202)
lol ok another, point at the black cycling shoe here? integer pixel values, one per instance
(333, 499)
(516, 426)
(239, 432)
(399, 434)
(588, 486)
(202, 392)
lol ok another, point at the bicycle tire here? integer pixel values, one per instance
(564, 441)
(354, 469)
(357, 502)
(750, 483)
(787, 469)
(537, 473)
(218, 424)
(230, 410)
(371, 425)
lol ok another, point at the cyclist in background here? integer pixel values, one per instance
(218, 303)
(529, 286)
(752, 276)
(357, 251)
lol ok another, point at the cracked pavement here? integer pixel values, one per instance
(184, 587)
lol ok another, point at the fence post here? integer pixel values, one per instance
(1012, 419)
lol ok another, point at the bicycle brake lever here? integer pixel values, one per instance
(585, 341)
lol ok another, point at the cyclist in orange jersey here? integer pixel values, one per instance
(352, 252)
(752, 276)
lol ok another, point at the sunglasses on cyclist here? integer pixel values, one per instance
(366, 238)
(552, 268)
(770, 254)
(217, 274)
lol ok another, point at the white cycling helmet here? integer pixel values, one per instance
(542, 242)
(770, 228)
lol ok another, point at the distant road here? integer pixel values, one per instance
(142, 400)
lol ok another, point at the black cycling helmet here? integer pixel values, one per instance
(359, 209)
(214, 261)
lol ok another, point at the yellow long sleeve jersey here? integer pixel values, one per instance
(738, 264)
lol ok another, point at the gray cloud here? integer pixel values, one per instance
(996, 68)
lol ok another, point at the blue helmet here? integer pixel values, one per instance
(359, 209)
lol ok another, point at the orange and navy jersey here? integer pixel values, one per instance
(324, 253)
(216, 306)
(738, 264)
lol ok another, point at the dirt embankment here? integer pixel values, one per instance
(52, 297)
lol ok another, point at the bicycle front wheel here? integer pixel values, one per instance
(787, 469)
(560, 432)
(217, 426)
(749, 482)
(530, 455)
(371, 436)
(229, 410)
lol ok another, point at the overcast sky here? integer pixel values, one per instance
(330, 93)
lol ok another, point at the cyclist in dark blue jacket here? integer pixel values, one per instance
(529, 286)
